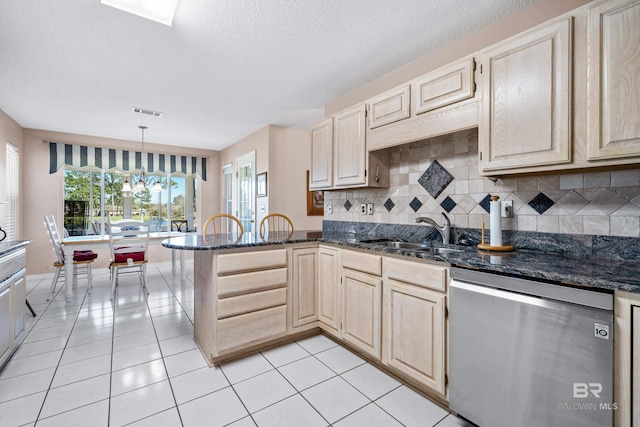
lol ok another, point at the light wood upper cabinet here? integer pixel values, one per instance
(304, 286)
(525, 115)
(613, 114)
(389, 107)
(321, 135)
(361, 318)
(328, 287)
(350, 149)
(444, 86)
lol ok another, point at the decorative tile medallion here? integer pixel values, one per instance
(541, 203)
(347, 205)
(448, 204)
(415, 204)
(435, 179)
(389, 205)
(485, 203)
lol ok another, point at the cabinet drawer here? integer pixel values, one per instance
(389, 107)
(12, 263)
(366, 263)
(447, 85)
(245, 283)
(251, 261)
(235, 333)
(425, 275)
(251, 302)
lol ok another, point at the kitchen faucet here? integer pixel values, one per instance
(444, 229)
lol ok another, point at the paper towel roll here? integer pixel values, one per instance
(495, 227)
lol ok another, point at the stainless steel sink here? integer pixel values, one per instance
(402, 245)
(412, 246)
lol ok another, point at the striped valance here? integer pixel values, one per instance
(110, 159)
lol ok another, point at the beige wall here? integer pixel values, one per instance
(289, 160)
(43, 193)
(527, 17)
(285, 154)
(10, 132)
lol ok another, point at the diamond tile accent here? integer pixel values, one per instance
(415, 204)
(389, 205)
(609, 202)
(435, 179)
(347, 205)
(448, 204)
(485, 203)
(541, 203)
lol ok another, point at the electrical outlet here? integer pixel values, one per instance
(363, 209)
(330, 209)
(369, 208)
(506, 209)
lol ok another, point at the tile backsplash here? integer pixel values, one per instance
(441, 175)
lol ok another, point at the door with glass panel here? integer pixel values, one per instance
(245, 167)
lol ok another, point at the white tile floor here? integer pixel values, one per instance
(94, 362)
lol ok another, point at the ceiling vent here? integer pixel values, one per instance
(147, 112)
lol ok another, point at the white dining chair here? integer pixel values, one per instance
(82, 260)
(129, 244)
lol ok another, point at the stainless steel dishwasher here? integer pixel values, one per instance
(526, 353)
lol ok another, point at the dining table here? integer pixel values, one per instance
(74, 243)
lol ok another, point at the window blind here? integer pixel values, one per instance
(11, 225)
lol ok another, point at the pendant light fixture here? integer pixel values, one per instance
(141, 184)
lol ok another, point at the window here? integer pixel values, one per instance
(11, 225)
(90, 197)
(227, 195)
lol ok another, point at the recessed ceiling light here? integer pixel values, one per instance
(161, 11)
(147, 112)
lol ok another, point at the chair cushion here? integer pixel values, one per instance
(124, 256)
(84, 255)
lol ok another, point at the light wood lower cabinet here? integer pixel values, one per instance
(635, 363)
(329, 288)
(5, 321)
(251, 299)
(12, 302)
(414, 326)
(361, 310)
(304, 286)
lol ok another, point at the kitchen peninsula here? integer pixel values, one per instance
(253, 293)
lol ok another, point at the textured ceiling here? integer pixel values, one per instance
(225, 69)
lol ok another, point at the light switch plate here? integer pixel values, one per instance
(369, 208)
(330, 209)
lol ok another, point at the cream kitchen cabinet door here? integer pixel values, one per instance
(304, 286)
(329, 288)
(444, 86)
(321, 135)
(361, 313)
(389, 107)
(6, 320)
(635, 363)
(613, 111)
(349, 147)
(414, 324)
(525, 118)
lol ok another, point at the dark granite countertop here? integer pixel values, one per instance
(7, 247)
(602, 274)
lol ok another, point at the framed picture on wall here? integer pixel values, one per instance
(315, 200)
(261, 184)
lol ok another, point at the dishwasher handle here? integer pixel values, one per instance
(535, 301)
